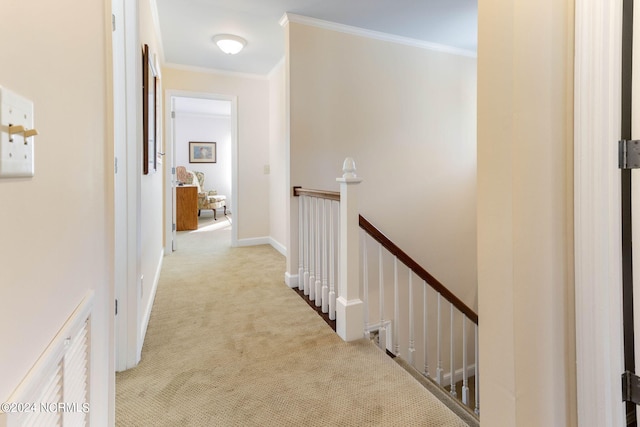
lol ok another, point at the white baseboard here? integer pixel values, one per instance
(278, 246)
(147, 310)
(256, 241)
(291, 280)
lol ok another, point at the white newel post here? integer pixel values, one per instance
(349, 306)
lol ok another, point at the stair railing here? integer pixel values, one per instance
(318, 215)
(414, 326)
(336, 244)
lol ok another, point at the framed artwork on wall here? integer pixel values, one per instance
(149, 84)
(202, 152)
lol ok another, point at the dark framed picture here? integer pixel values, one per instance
(149, 114)
(202, 152)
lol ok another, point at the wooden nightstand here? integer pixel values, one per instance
(186, 207)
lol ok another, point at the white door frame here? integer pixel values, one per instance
(597, 227)
(127, 127)
(171, 243)
(120, 177)
(170, 131)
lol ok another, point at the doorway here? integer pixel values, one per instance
(203, 118)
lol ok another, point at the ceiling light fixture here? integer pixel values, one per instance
(229, 43)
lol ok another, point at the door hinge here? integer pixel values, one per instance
(173, 171)
(630, 388)
(629, 154)
(173, 114)
(115, 165)
(173, 227)
(113, 22)
(116, 307)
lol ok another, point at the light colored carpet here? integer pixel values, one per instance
(229, 344)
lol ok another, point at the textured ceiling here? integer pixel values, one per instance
(188, 26)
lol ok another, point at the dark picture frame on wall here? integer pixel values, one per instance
(149, 113)
(202, 152)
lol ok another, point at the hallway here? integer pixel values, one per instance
(229, 344)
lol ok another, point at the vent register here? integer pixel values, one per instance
(55, 392)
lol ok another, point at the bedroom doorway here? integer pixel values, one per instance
(210, 121)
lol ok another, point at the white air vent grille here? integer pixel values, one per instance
(76, 362)
(56, 389)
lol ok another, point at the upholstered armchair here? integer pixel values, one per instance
(206, 199)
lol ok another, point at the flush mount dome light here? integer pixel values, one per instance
(229, 43)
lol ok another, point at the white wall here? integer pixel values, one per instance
(150, 192)
(206, 128)
(525, 213)
(407, 117)
(56, 228)
(251, 216)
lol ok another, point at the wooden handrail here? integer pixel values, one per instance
(331, 195)
(417, 269)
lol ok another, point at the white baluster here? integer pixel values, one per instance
(300, 242)
(451, 364)
(465, 381)
(425, 316)
(439, 369)
(412, 340)
(365, 278)
(396, 309)
(382, 333)
(312, 249)
(332, 272)
(319, 249)
(325, 263)
(305, 286)
(477, 378)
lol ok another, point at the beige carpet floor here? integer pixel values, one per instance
(229, 344)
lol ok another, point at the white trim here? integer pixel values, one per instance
(376, 35)
(152, 296)
(170, 243)
(278, 246)
(169, 94)
(122, 184)
(291, 280)
(255, 241)
(130, 164)
(215, 71)
(597, 224)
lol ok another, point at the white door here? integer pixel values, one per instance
(120, 181)
(126, 77)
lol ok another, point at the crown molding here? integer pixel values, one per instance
(376, 35)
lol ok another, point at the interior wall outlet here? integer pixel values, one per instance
(16, 135)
